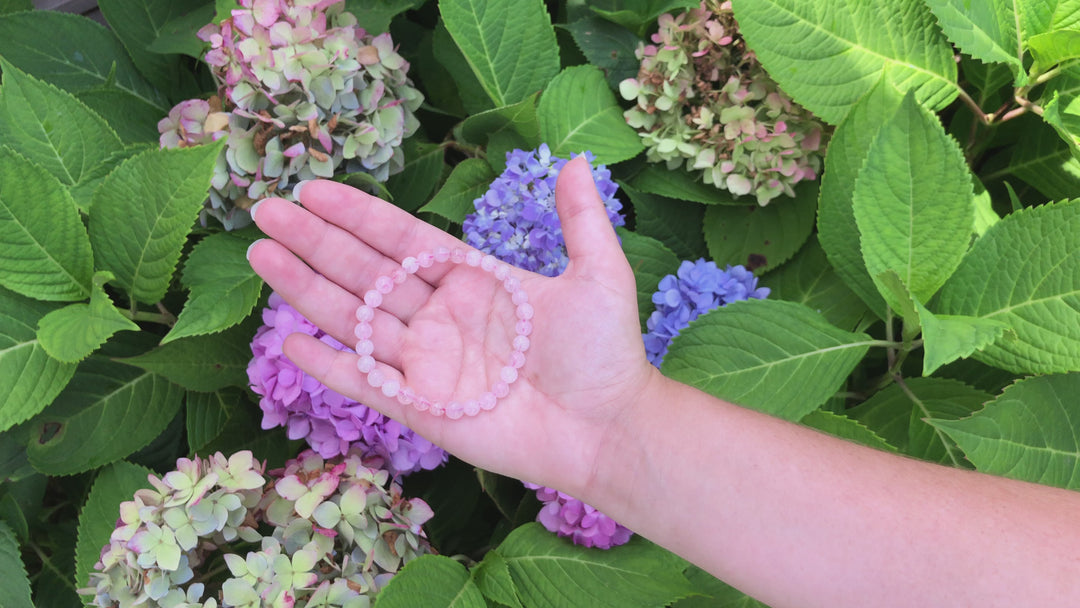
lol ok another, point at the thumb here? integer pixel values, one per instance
(590, 238)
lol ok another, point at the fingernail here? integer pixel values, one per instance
(254, 208)
(247, 254)
(296, 189)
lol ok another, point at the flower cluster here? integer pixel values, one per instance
(703, 100)
(582, 523)
(515, 219)
(330, 422)
(694, 290)
(303, 91)
(338, 532)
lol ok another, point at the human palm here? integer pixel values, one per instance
(447, 331)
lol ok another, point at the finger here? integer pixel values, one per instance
(590, 237)
(337, 255)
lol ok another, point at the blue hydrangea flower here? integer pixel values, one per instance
(694, 290)
(515, 219)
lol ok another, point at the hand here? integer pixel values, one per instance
(448, 329)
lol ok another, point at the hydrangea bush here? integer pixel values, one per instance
(134, 336)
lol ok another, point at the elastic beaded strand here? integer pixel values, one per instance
(404, 394)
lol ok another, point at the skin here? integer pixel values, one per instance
(784, 513)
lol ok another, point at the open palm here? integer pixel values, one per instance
(447, 331)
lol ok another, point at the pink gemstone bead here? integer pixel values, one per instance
(365, 364)
(442, 254)
(406, 396)
(472, 408)
(384, 284)
(373, 298)
(521, 343)
(457, 256)
(454, 410)
(519, 297)
(500, 389)
(437, 408)
(523, 327)
(511, 285)
(398, 276)
(487, 401)
(473, 257)
(525, 311)
(363, 330)
(502, 272)
(508, 374)
(390, 388)
(410, 265)
(365, 313)
(375, 378)
(425, 259)
(517, 359)
(421, 404)
(364, 347)
(488, 262)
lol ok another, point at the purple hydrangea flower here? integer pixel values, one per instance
(515, 219)
(568, 516)
(697, 288)
(330, 422)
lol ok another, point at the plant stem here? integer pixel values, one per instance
(466, 149)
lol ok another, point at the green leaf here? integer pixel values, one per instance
(138, 23)
(902, 303)
(469, 180)
(578, 113)
(73, 53)
(207, 414)
(447, 54)
(83, 192)
(711, 592)
(509, 44)
(947, 338)
(986, 30)
(224, 288)
(827, 54)
(375, 15)
(243, 431)
(637, 15)
(44, 250)
(97, 519)
(29, 378)
(607, 46)
(913, 202)
(837, 230)
(14, 6)
(133, 119)
(846, 428)
(519, 119)
(107, 412)
(1046, 163)
(651, 261)
(809, 279)
(202, 363)
(73, 332)
(778, 357)
(1063, 113)
(431, 580)
(761, 238)
(423, 168)
(1040, 16)
(679, 184)
(677, 224)
(178, 34)
(492, 577)
(1055, 47)
(900, 417)
(51, 128)
(14, 585)
(1027, 433)
(142, 213)
(1023, 272)
(550, 571)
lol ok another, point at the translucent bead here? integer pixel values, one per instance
(437, 408)
(488, 263)
(472, 408)
(375, 378)
(457, 256)
(373, 298)
(525, 311)
(421, 403)
(473, 257)
(390, 388)
(454, 410)
(406, 396)
(425, 259)
(511, 284)
(519, 297)
(500, 389)
(502, 272)
(398, 276)
(521, 343)
(523, 327)
(364, 347)
(487, 401)
(517, 359)
(365, 313)
(384, 284)
(362, 330)
(365, 364)
(410, 265)
(508, 374)
(442, 254)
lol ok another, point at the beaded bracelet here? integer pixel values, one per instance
(406, 395)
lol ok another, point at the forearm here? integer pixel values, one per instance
(797, 518)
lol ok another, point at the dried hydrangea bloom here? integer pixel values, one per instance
(703, 101)
(324, 533)
(307, 93)
(331, 423)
